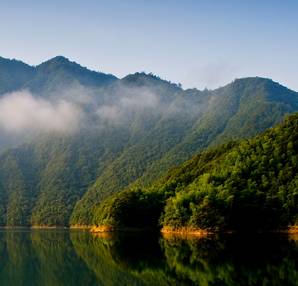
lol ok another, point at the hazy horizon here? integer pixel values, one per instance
(196, 43)
(154, 74)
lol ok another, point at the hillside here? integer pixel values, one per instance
(240, 110)
(124, 133)
(59, 73)
(14, 74)
(245, 185)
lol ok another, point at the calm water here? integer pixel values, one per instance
(79, 258)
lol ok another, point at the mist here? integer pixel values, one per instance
(126, 102)
(21, 112)
(77, 107)
(71, 109)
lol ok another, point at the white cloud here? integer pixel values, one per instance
(21, 112)
(128, 100)
(109, 113)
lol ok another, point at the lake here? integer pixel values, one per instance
(62, 257)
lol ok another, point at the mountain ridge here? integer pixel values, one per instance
(248, 185)
(135, 129)
(60, 59)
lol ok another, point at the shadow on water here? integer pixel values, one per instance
(80, 258)
(233, 260)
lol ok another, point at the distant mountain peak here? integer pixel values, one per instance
(253, 79)
(143, 78)
(255, 82)
(60, 57)
(60, 72)
(59, 61)
(141, 75)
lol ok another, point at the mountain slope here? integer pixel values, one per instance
(57, 81)
(14, 74)
(248, 185)
(49, 77)
(241, 109)
(130, 132)
(57, 74)
(210, 118)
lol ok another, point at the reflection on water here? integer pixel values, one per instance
(79, 258)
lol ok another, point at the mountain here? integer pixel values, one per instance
(127, 133)
(241, 109)
(244, 185)
(49, 77)
(59, 73)
(57, 79)
(14, 74)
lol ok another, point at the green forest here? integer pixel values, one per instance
(114, 170)
(245, 185)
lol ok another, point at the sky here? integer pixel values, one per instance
(202, 44)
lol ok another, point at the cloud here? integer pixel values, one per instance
(21, 112)
(80, 108)
(110, 113)
(139, 99)
(76, 107)
(75, 93)
(128, 101)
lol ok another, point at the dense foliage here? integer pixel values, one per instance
(256, 103)
(252, 184)
(55, 179)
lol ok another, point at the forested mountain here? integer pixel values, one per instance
(14, 74)
(59, 73)
(241, 109)
(245, 185)
(50, 76)
(108, 134)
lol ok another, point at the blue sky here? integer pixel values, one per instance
(197, 43)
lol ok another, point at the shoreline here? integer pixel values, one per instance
(102, 229)
(293, 229)
(80, 227)
(47, 227)
(201, 232)
(107, 229)
(184, 231)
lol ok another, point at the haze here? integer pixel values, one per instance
(197, 43)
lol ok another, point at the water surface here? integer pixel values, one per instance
(58, 257)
